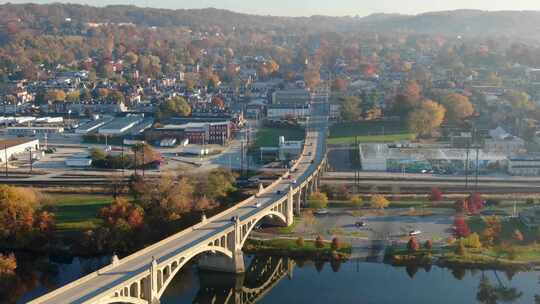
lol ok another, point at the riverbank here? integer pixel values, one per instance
(519, 258)
(298, 249)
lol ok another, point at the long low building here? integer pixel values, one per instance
(32, 131)
(120, 125)
(418, 158)
(14, 147)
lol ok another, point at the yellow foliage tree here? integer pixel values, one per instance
(379, 202)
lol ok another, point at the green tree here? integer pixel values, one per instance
(176, 106)
(318, 200)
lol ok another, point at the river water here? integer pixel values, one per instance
(282, 280)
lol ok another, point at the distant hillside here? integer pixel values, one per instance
(459, 22)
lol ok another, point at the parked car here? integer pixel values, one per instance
(360, 224)
(234, 219)
(414, 232)
(321, 212)
(258, 205)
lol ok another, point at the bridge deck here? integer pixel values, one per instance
(111, 277)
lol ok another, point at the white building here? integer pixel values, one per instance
(120, 125)
(15, 147)
(528, 165)
(502, 142)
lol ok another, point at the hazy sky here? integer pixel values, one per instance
(321, 7)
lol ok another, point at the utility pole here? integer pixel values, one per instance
(30, 158)
(135, 160)
(467, 166)
(143, 161)
(123, 162)
(6, 159)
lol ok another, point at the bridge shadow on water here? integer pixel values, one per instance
(262, 274)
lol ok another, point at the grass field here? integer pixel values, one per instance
(369, 131)
(269, 136)
(78, 212)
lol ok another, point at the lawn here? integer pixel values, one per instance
(77, 211)
(269, 136)
(369, 131)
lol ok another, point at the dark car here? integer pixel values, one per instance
(360, 224)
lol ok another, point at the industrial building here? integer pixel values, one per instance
(417, 158)
(33, 131)
(291, 97)
(120, 125)
(15, 147)
(525, 165)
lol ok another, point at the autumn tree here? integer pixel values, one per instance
(407, 99)
(436, 195)
(379, 202)
(336, 243)
(356, 201)
(492, 231)
(176, 106)
(217, 184)
(122, 211)
(318, 200)
(21, 216)
(8, 265)
(55, 95)
(350, 108)
(458, 107)
(312, 77)
(428, 245)
(427, 118)
(413, 245)
(218, 102)
(461, 228)
(339, 84)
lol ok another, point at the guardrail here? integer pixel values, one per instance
(96, 273)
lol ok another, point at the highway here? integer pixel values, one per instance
(84, 291)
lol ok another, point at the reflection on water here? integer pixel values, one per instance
(281, 280)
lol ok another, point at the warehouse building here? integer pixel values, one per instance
(15, 147)
(421, 159)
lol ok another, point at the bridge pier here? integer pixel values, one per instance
(221, 263)
(298, 201)
(290, 203)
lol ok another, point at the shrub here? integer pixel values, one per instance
(336, 243)
(530, 201)
(318, 200)
(460, 249)
(413, 244)
(356, 201)
(472, 241)
(436, 195)
(518, 236)
(379, 202)
(300, 242)
(319, 242)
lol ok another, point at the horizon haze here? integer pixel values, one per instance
(317, 7)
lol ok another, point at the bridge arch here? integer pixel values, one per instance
(175, 266)
(280, 216)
